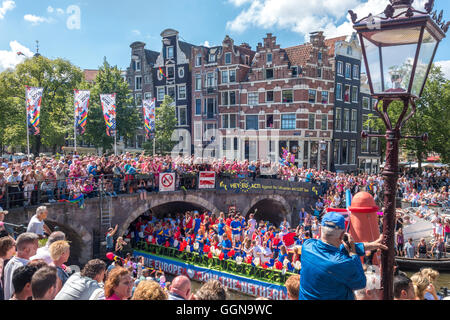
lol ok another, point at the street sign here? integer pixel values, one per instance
(167, 182)
(207, 180)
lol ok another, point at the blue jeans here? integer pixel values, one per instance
(50, 194)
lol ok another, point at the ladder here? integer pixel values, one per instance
(104, 224)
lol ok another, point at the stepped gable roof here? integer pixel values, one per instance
(331, 44)
(299, 55)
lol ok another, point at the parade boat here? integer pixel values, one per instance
(409, 264)
(241, 277)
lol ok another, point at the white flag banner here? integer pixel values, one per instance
(207, 180)
(34, 99)
(109, 112)
(81, 101)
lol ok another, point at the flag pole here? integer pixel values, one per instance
(28, 131)
(75, 130)
(115, 142)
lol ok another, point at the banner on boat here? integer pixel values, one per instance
(241, 284)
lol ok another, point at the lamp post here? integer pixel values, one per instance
(398, 47)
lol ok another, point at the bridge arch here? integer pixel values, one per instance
(270, 207)
(165, 200)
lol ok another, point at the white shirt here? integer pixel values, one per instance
(257, 252)
(42, 254)
(36, 226)
(11, 266)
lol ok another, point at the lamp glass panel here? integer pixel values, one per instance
(426, 53)
(373, 61)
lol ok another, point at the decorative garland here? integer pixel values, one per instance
(231, 266)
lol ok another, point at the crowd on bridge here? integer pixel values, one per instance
(74, 178)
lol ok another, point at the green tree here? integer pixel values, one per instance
(165, 124)
(432, 114)
(109, 80)
(58, 78)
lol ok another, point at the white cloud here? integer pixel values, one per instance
(36, 20)
(7, 5)
(136, 32)
(331, 16)
(445, 67)
(50, 9)
(9, 58)
(206, 44)
(60, 11)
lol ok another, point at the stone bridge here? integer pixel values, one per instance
(83, 226)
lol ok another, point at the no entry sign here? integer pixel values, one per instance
(167, 182)
(207, 180)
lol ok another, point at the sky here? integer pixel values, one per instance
(84, 32)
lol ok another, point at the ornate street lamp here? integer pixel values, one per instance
(398, 47)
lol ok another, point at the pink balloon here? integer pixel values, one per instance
(110, 256)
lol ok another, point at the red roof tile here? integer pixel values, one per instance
(331, 44)
(299, 55)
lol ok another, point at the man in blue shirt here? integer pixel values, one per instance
(236, 228)
(332, 268)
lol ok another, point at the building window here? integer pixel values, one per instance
(147, 79)
(253, 98)
(171, 92)
(269, 58)
(232, 98)
(294, 72)
(373, 145)
(137, 65)
(228, 58)
(269, 96)
(366, 103)
(311, 121)
(337, 151)
(324, 97)
(365, 145)
(346, 120)
(161, 93)
(288, 96)
(269, 121)
(181, 72)
(365, 119)
(198, 82)
(251, 122)
(210, 80)
(225, 76)
(347, 94)
(288, 121)
(182, 116)
(319, 57)
(138, 99)
(337, 120)
(170, 72)
(355, 71)
(319, 73)
(353, 152)
(170, 52)
(312, 96)
(324, 122)
(138, 83)
(349, 51)
(232, 75)
(198, 106)
(339, 91)
(340, 68)
(354, 123)
(348, 71)
(344, 152)
(148, 96)
(212, 58)
(198, 60)
(210, 108)
(269, 73)
(354, 94)
(229, 121)
(225, 101)
(182, 92)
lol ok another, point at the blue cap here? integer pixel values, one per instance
(333, 220)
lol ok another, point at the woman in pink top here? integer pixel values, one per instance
(119, 284)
